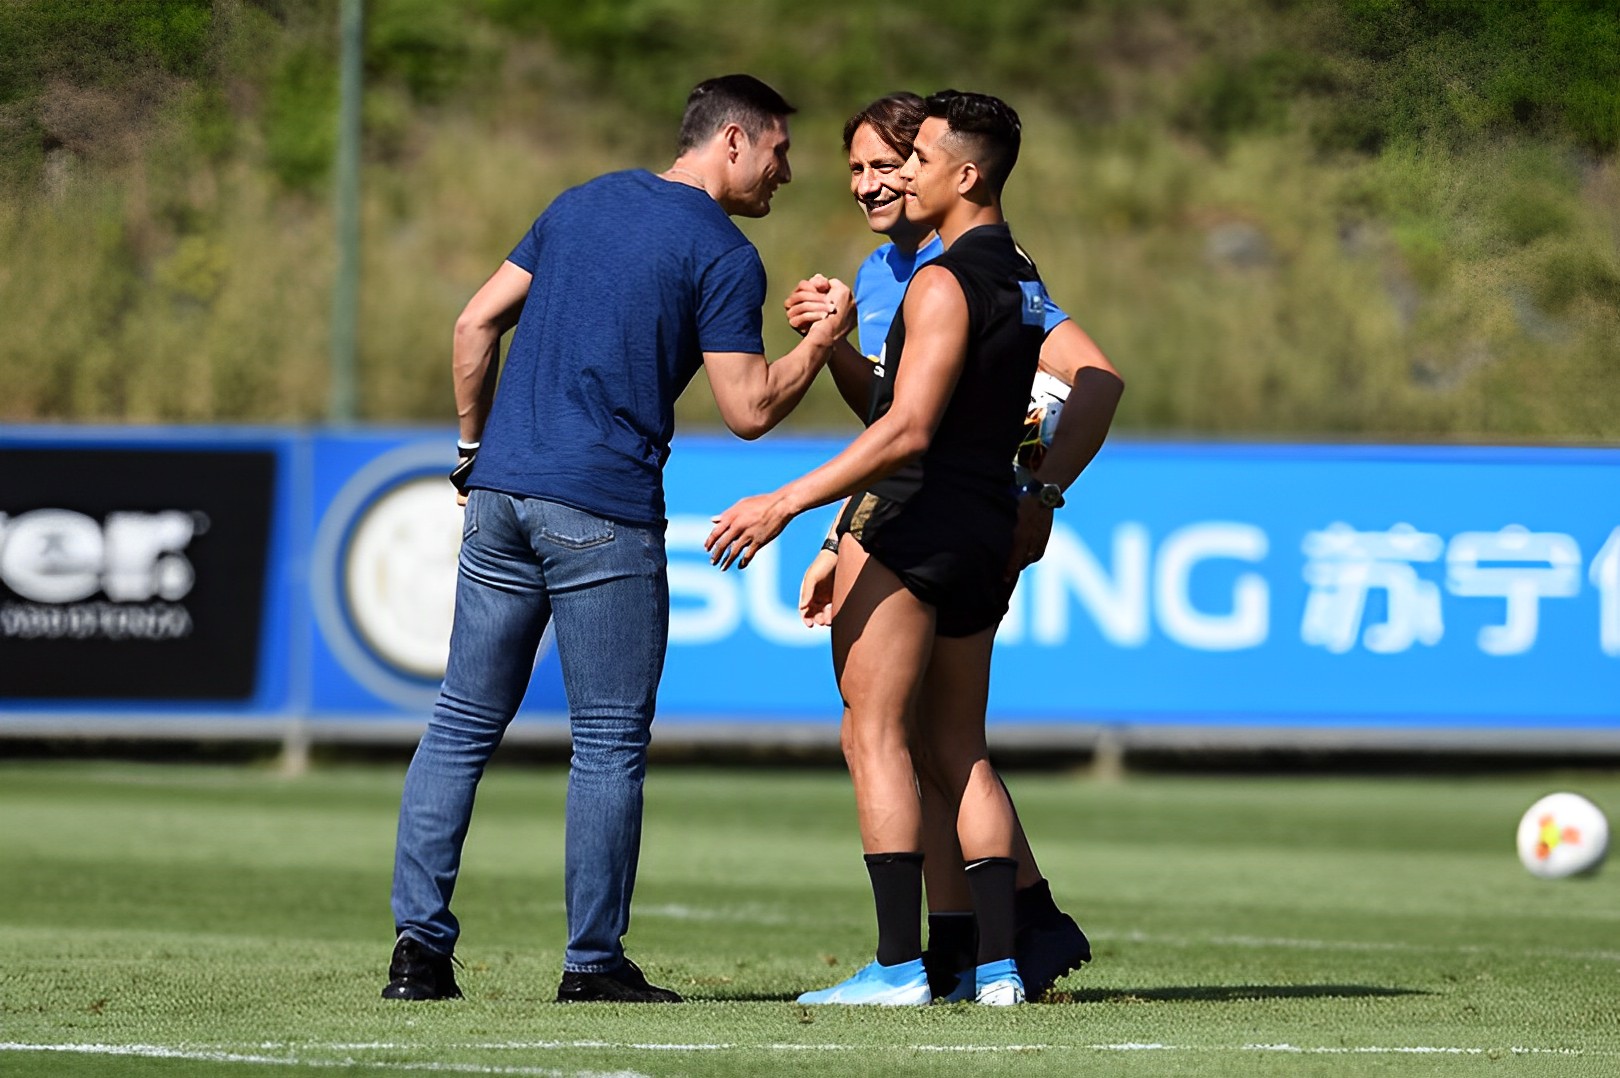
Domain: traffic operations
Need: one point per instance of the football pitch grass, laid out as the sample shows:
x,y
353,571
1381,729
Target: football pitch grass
x,y
227,921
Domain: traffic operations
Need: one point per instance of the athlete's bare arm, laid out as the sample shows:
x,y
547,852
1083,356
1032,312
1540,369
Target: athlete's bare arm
x,y
475,355
852,372
755,395
1071,355
927,374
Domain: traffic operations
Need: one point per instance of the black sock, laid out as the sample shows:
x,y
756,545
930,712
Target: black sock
x,y
897,889
953,938
1034,904
992,880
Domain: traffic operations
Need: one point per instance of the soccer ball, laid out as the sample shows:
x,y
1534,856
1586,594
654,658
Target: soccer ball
x,y
1046,399
1561,835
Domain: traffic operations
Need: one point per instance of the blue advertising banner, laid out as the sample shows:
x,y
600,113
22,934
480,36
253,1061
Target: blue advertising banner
x,y
1301,585
383,537
311,574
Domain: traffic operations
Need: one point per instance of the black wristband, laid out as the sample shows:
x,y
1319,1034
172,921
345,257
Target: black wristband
x,y
463,469
830,544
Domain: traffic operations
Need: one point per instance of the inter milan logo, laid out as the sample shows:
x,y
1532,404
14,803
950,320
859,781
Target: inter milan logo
x,y
1034,303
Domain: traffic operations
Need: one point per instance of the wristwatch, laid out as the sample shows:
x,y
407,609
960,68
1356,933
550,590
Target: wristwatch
x,y
1048,494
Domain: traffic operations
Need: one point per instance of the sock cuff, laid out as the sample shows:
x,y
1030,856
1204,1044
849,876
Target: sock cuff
x,y
901,858
987,862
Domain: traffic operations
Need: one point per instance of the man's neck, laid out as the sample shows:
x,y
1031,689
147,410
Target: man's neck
x,y
909,241
966,216
693,171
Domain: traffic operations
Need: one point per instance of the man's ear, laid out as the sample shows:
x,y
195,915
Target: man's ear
x,y
967,177
736,140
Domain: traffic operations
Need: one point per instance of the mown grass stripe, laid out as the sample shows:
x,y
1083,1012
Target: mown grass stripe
x,y
242,1056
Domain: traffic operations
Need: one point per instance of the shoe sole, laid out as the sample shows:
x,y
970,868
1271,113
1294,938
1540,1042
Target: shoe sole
x,y
1001,994
911,997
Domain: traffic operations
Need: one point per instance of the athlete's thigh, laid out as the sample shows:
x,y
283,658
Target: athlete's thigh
x,y
882,635
852,558
956,691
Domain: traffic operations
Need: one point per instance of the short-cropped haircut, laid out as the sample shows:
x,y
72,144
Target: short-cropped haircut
x,y
991,126
739,99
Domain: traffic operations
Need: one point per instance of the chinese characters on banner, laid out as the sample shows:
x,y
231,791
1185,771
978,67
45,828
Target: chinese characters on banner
x,y
1514,565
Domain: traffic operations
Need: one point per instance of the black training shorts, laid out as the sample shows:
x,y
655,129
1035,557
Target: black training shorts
x,y
949,548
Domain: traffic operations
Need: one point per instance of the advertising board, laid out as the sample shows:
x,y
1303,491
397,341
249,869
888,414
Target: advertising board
x,y
138,570
1284,588
1299,585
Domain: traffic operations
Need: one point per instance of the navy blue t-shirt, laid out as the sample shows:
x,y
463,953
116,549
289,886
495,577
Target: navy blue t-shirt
x,y
634,279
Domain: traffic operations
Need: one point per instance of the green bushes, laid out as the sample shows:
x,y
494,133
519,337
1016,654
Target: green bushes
x,y
1379,217
1458,69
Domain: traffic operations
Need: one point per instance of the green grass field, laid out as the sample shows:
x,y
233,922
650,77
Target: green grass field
x,y
192,921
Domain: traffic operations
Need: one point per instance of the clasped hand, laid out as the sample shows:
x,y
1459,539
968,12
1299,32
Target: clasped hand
x,y
820,298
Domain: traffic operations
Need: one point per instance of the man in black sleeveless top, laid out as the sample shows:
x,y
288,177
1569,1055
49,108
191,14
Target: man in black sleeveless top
x,y
928,542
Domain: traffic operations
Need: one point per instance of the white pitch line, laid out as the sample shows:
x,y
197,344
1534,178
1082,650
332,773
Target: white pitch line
x,y
227,1056
157,1051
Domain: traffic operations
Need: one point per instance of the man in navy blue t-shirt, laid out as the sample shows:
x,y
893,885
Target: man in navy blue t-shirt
x,y
622,289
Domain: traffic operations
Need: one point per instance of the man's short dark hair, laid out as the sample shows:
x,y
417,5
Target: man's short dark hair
x,y
739,99
989,126
894,117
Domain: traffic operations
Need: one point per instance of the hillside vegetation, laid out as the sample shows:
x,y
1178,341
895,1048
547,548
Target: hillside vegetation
x,y
1319,218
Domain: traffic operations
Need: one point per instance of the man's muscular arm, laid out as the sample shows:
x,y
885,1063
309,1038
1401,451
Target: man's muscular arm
x,y
851,371
1072,356
927,375
475,355
754,395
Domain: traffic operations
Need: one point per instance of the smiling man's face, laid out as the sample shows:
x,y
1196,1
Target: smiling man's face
x,y
874,168
761,167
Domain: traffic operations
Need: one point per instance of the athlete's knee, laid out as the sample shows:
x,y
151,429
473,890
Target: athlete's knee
x,y
947,765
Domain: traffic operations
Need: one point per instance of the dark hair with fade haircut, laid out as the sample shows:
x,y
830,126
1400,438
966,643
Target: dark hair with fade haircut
x,y
739,99
990,123
895,117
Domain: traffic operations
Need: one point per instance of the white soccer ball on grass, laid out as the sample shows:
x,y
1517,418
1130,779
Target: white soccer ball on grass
x,y
1561,835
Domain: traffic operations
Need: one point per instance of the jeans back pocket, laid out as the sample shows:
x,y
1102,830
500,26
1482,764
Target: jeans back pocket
x,y
574,528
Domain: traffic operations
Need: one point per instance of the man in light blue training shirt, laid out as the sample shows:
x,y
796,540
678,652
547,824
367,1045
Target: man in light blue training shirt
x,y
622,289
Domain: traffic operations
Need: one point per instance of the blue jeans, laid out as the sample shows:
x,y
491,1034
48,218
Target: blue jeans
x,y
525,561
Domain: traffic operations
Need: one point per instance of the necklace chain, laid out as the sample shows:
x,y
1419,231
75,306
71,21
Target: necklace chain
x,y
701,183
